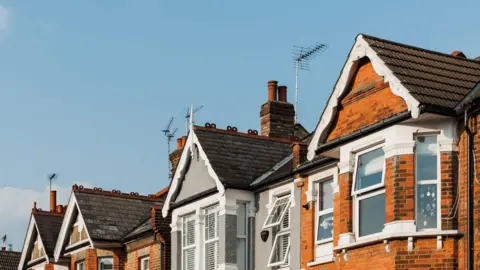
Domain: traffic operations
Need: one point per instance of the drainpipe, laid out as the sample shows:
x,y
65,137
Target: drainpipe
x,y
470,181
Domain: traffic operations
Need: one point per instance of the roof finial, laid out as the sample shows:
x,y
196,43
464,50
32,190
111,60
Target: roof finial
x,y
191,117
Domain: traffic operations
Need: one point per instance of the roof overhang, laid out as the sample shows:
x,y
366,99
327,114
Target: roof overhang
x,y
182,167
360,49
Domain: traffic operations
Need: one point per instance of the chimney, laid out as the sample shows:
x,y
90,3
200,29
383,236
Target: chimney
x,y
458,54
272,90
179,143
299,150
277,117
175,155
53,200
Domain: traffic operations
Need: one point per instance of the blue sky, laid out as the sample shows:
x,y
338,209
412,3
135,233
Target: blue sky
x,y
87,86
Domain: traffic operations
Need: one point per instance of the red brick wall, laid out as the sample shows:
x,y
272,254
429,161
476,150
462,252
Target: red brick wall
x,y
307,227
400,188
91,259
368,101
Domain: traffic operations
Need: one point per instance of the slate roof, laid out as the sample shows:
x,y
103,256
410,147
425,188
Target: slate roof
x,y
9,260
431,77
110,217
143,227
238,158
48,227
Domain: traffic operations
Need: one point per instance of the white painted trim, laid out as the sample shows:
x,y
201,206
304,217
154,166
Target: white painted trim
x,y
26,243
362,191
399,148
279,191
346,238
182,167
323,260
448,145
64,230
272,170
313,179
356,212
360,49
400,226
388,236
73,252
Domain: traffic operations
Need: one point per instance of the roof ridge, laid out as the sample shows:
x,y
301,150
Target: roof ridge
x,y
419,48
48,213
116,193
241,134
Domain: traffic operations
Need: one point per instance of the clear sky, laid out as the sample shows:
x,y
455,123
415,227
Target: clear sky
x,y
87,86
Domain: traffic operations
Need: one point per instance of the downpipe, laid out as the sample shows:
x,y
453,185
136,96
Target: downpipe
x,y
471,186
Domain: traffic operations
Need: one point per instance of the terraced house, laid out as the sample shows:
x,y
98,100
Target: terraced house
x,y
386,181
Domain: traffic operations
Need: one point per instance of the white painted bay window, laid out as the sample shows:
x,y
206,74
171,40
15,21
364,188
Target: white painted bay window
x,y
369,193
426,171
324,213
279,221
211,238
242,231
188,242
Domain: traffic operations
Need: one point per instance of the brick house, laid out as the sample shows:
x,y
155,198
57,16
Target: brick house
x,y
98,230
397,194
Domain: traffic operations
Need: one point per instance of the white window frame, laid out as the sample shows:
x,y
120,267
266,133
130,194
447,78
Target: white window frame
x,y
318,214
186,218
266,225
244,236
370,188
365,193
142,260
429,182
77,266
100,259
214,209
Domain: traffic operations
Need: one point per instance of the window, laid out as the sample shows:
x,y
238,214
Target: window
x,y
81,266
211,238
145,263
188,242
242,230
279,220
368,192
426,170
105,263
324,212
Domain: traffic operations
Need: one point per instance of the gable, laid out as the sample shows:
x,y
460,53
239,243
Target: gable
x,y
196,179
78,232
368,99
37,248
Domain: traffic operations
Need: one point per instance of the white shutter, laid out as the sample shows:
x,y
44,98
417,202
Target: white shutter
x,y
188,242
281,250
211,238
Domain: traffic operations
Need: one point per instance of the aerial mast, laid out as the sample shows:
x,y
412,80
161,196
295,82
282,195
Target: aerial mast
x,y
302,57
169,135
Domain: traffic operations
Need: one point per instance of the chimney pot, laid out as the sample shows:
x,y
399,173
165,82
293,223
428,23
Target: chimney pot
x,y
282,93
272,90
179,143
458,54
59,209
53,200
184,140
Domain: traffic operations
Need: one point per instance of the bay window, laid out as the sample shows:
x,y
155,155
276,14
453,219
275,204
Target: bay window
x,y
188,242
426,171
369,193
279,221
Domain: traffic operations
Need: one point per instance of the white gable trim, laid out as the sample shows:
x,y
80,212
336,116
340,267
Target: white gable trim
x,y
187,153
64,230
360,49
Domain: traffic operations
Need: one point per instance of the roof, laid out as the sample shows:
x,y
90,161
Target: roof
x,y
142,228
48,227
237,158
432,78
9,260
111,216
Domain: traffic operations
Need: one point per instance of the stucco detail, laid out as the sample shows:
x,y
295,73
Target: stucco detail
x,y
196,179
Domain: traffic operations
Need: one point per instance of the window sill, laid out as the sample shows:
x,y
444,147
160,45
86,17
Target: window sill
x,y
391,236
321,261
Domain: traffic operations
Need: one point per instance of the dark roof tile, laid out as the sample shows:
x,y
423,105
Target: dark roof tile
x,y
49,226
9,260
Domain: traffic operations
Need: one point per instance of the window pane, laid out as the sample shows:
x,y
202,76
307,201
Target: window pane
x,y
326,195
145,264
106,263
371,214
427,206
211,255
426,159
241,253
241,219
189,259
274,218
188,231
280,249
325,227
369,169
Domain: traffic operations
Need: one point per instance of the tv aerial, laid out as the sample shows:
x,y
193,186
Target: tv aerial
x,y
302,57
51,177
189,114
169,134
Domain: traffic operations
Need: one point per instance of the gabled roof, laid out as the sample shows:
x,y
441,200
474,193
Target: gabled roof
x,y
9,260
431,77
48,227
420,77
111,216
238,158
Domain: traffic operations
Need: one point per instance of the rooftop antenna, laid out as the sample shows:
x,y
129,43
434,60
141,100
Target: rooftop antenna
x,y
4,240
51,177
189,114
169,135
302,57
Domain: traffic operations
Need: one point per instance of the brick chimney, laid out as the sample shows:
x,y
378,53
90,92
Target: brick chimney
x,y
53,201
299,150
177,153
277,116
